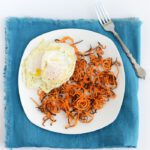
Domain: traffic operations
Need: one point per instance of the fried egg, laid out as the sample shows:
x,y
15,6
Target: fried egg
x,y
49,65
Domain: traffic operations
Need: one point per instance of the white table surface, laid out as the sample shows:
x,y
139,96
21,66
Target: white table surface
x,y
73,9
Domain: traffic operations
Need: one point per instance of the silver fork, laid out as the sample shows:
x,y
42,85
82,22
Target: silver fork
x,y
108,25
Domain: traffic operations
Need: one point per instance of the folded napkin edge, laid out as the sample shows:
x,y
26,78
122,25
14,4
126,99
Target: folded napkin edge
x,y
6,87
8,19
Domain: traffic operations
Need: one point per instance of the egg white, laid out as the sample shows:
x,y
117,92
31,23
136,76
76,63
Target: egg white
x,y
49,65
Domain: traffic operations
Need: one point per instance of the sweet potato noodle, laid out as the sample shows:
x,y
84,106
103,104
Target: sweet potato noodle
x,y
88,90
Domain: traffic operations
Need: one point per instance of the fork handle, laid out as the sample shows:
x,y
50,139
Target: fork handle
x,y
136,66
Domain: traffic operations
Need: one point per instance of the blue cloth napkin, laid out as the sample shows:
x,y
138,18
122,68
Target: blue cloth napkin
x,y
20,132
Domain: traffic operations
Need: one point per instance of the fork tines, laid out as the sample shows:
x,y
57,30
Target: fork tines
x,y
102,13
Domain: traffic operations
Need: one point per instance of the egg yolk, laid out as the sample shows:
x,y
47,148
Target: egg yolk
x,y
37,72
